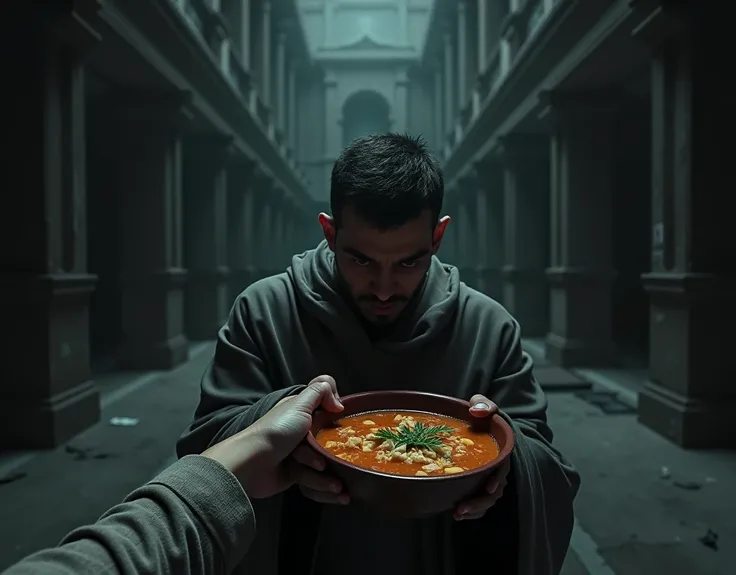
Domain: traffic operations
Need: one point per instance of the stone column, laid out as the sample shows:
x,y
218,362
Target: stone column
x,y
482,35
449,91
245,56
280,95
462,56
293,110
467,248
147,179
266,52
490,227
526,221
240,224
401,102
46,392
403,10
205,236
448,248
277,238
580,273
438,103
691,397
333,133
264,248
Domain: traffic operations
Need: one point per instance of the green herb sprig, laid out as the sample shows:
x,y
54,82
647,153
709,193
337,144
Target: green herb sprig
x,y
420,436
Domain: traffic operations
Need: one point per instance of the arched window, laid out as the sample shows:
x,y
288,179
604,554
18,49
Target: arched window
x,y
364,113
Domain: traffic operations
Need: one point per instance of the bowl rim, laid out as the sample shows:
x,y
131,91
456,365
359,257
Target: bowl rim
x,y
503,453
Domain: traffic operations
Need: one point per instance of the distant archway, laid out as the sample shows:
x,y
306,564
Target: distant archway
x,y
365,112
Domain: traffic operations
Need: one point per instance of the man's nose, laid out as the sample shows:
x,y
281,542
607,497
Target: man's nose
x,y
383,287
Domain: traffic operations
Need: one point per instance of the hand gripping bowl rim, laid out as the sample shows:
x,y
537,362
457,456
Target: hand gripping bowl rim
x,y
503,453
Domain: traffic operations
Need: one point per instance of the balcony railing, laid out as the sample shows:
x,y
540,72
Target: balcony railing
x,y
206,21
518,31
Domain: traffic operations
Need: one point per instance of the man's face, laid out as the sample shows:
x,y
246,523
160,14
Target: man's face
x,y
382,268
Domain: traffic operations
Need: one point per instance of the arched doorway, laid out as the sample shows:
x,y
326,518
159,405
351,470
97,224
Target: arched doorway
x,y
365,112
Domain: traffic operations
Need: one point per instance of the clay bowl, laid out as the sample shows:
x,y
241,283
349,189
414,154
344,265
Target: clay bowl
x,y
411,496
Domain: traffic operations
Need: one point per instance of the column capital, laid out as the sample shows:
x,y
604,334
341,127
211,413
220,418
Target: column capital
x,y
660,20
557,107
512,149
75,24
175,107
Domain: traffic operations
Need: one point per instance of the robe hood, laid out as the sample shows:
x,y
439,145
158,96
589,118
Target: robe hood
x,y
432,309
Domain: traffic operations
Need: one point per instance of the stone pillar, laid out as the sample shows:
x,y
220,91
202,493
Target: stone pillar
x,y
277,237
293,110
482,35
264,248
403,10
329,22
240,225
46,392
205,236
280,94
580,273
401,102
467,247
446,252
449,91
462,56
438,117
148,183
691,397
245,56
333,133
266,52
490,227
526,240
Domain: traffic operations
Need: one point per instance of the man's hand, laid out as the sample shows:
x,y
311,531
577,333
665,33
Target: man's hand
x,y
476,507
257,455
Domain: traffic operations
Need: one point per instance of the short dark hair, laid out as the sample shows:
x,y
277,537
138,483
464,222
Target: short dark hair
x,y
389,179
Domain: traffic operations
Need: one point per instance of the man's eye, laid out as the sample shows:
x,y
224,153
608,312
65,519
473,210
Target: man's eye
x,y
410,264
361,263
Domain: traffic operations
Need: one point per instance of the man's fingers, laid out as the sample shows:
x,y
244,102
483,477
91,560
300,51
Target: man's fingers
x,y
329,398
328,498
477,507
307,456
481,406
313,480
318,393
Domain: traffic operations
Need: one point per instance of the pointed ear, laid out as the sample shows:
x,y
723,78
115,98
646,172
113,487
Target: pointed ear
x,y
439,232
328,229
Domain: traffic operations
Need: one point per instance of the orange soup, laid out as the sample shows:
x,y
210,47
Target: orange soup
x,y
408,443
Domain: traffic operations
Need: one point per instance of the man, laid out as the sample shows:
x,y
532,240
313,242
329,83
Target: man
x,y
373,307
195,516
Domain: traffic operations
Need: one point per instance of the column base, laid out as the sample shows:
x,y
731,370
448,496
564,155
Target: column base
x,y
47,394
158,355
153,321
580,317
568,352
691,398
526,296
688,422
490,282
207,303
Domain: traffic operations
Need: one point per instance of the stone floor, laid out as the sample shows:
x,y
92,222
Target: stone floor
x,y
645,506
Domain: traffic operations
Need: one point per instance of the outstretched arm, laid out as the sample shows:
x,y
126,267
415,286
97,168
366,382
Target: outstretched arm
x,y
193,518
